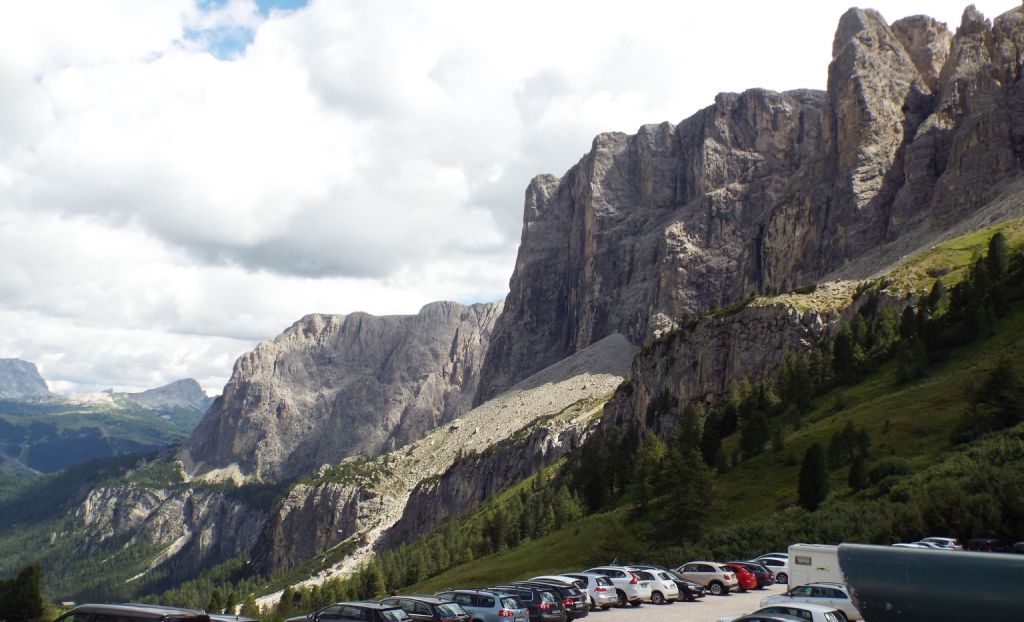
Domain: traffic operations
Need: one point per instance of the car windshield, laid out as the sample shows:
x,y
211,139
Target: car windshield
x,y
395,615
451,609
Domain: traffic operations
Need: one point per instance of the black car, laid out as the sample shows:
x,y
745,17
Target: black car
x,y
363,611
429,608
136,613
688,590
576,603
764,576
987,545
544,603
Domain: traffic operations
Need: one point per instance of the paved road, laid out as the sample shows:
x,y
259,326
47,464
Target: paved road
x,y
707,609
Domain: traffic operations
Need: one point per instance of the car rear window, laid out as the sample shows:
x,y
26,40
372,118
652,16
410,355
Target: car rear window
x,y
547,597
604,581
511,603
451,609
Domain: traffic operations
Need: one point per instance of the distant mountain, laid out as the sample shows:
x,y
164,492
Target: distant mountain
x,y
179,394
43,432
20,380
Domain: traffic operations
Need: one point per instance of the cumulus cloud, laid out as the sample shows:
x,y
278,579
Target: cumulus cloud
x,y
178,180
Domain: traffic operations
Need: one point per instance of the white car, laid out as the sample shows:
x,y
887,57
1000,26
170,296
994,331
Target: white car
x,y
833,595
778,565
598,588
804,611
628,588
951,544
663,588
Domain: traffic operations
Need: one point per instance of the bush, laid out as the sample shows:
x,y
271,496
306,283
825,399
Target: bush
x,y
886,467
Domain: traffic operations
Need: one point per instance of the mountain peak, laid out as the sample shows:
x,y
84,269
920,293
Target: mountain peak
x,y
21,380
185,393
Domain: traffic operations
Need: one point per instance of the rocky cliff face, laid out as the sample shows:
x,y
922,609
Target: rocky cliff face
x,y
337,386
180,394
762,191
20,380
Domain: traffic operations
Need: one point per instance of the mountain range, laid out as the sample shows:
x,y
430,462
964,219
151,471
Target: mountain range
x,y
662,268
44,432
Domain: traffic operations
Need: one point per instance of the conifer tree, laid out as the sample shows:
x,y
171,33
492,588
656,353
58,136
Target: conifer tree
x,y
858,477
812,487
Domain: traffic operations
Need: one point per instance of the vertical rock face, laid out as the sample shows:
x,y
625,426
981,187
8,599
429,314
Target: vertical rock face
x,y
179,394
337,386
20,380
765,191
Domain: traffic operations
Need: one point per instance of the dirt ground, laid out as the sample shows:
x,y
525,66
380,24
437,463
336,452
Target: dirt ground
x,y
707,609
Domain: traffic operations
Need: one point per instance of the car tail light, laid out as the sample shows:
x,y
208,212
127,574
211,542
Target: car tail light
x,y
727,576
600,589
544,606
567,602
632,580
505,613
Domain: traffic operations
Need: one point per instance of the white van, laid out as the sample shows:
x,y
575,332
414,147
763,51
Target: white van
x,y
814,563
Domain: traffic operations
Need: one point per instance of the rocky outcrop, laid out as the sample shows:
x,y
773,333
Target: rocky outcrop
x,y
761,192
196,528
179,394
20,380
334,386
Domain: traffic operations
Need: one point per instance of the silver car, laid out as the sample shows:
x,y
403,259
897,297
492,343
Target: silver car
x,y
599,588
489,606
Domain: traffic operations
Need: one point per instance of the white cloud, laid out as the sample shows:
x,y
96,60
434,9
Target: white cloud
x,y
176,183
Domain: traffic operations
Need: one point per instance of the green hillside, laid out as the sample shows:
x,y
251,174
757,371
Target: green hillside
x,y
49,436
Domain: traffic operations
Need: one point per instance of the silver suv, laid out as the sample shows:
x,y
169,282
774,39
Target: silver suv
x,y
489,606
628,588
712,575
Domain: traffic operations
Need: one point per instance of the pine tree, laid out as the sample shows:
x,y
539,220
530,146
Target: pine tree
x,y
21,598
754,433
647,471
216,602
998,258
812,487
250,608
691,428
858,477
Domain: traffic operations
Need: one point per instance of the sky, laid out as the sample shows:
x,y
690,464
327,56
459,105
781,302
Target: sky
x,y
181,179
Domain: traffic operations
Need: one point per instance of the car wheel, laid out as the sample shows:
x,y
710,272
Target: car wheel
x,y
593,605
716,588
657,598
621,596
636,603
605,607
782,578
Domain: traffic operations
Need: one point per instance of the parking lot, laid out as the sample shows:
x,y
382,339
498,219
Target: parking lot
x,y
707,609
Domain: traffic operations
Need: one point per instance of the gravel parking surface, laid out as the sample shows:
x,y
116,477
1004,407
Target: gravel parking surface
x,y
707,609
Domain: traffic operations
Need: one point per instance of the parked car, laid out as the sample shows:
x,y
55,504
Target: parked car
x,y
599,589
910,545
136,613
718,579
801,611
778,565
745,578
768,617
364,611
987,545
628,588
833,595
688,589
1018,547
764,576
488,606
576,603
946,543
428,608
663,588
544,604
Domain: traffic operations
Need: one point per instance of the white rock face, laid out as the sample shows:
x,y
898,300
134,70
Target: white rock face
x,y
334,386
20,380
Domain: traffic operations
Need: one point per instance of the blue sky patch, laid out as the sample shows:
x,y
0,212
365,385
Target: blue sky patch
x,y
229,43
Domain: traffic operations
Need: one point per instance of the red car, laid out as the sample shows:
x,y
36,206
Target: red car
x,y
746,578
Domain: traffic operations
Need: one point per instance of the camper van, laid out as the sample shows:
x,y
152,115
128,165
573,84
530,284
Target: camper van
x,y
814,563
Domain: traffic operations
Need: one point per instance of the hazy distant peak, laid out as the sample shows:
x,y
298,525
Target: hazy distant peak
x,y
20,380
